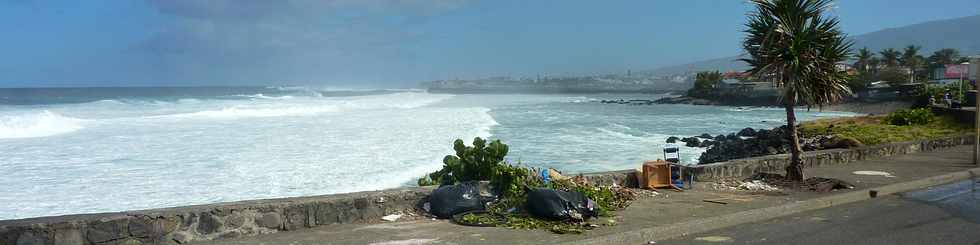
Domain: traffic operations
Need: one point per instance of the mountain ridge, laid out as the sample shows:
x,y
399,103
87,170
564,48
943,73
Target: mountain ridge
x,y
932,35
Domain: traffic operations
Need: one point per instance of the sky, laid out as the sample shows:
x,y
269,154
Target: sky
x,y
381,43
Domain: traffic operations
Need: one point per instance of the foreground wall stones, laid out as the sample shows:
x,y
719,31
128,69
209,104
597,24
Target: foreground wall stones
x,y
227,220
213,221
745,167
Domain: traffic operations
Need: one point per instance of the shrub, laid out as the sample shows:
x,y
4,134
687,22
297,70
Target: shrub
x,y
478,163
905,117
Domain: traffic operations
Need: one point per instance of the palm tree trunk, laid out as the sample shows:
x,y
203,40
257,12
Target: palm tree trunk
x,y
794,171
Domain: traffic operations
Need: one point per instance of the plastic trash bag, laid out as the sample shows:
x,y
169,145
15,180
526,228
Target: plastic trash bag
x,y
560,205
449,200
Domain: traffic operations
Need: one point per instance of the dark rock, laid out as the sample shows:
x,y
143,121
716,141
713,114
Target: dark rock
x,y
327,214
235,220
705,136
732,137
672,139
299,217
32,238
208,224
707,143
747,132
720,137
154,228
269,220
141,227
691,141
68,237
99,232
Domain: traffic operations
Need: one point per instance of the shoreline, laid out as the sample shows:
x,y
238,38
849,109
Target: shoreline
x,y
871,108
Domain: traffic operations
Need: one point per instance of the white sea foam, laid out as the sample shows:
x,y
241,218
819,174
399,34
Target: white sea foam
x,y
311,107
236,112
313,146
37,124
266,97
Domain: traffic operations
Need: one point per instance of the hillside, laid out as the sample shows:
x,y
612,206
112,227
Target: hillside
x,y
958,33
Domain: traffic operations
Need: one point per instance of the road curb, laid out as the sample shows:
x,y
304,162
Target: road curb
x,y
668,231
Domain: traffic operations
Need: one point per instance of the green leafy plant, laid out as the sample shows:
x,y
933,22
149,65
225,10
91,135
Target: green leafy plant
x,y
906,117
481,162
872,130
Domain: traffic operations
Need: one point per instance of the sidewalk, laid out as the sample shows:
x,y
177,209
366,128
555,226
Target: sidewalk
x,y
663,210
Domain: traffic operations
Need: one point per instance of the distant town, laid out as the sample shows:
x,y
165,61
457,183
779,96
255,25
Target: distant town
x,y
627,82
886,74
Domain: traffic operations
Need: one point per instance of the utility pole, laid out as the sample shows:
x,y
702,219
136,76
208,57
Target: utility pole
x,y
974,70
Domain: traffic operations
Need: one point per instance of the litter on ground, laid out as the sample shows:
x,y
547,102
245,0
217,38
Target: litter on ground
x,y
737,185
391,217
874,173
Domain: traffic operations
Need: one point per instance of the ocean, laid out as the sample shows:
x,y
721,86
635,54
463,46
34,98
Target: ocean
x,y
85,150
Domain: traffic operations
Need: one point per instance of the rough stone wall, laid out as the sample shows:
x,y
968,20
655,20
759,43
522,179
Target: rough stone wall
x,y
213,221
777,163
624,178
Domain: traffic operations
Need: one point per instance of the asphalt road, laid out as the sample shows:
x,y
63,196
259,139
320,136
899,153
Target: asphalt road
x,y
947,214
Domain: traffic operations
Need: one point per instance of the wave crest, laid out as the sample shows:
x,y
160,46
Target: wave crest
x,y
33,125
241,112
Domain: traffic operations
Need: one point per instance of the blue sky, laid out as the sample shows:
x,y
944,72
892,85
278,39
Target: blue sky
x,y
381,43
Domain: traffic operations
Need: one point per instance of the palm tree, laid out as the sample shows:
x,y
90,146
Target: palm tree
x,y
912,60
944,56
889,57
793,43
864,57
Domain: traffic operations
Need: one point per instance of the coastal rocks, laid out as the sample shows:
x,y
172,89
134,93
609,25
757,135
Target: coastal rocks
x,y
685,100
750,142
747,132
672,139
628,102
691,141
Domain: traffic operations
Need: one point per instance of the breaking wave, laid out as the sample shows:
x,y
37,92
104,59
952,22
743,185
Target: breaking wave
x,y
38,124
312,106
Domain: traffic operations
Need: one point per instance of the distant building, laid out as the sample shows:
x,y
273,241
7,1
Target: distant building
x,y
747,88
736,75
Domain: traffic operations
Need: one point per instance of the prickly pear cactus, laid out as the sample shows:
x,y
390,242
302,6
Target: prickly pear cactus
x,y
477,162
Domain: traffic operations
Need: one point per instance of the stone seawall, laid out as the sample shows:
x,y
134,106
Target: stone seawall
x,y
745,167
245,218
212,221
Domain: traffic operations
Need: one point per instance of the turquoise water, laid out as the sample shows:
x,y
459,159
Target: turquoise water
x,y
100,150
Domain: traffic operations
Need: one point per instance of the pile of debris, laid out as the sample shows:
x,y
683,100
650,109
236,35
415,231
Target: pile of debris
x,y
749,185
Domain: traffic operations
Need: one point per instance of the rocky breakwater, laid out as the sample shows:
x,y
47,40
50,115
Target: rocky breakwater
x,y
685,100
750,142
628,102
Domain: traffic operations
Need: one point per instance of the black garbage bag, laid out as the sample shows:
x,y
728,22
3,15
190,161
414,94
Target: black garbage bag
x,y
449,200
560,205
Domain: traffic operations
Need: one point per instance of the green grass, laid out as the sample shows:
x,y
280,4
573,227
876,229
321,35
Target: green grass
x,y
870,130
